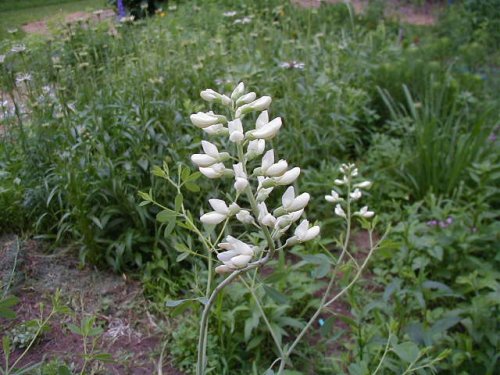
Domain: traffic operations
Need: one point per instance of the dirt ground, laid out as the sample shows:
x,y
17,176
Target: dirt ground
x,y
41,26
130,333
407,13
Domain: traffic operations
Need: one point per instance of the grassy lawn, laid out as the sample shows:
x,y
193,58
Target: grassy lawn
x,y
15,13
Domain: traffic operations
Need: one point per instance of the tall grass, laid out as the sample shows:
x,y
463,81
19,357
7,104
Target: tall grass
x,y
444,136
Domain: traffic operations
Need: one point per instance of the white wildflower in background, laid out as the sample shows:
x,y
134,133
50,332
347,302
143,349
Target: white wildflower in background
x,y
354,192
292,65
243,21
230,13
22,78
18,48
334,197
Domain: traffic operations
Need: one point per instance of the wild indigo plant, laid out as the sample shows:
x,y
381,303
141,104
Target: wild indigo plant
x,y
257,174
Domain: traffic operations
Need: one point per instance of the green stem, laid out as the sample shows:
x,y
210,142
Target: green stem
x,y
262,312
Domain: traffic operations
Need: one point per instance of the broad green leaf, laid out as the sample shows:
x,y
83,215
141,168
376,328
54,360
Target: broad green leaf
x,y
407,351
276,296
178,202
166,216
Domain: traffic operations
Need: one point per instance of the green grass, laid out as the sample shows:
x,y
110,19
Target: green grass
x,y
15,13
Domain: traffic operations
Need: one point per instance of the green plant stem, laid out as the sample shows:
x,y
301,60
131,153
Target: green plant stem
x,y
386,350
202,341
327,291
37,333
264,316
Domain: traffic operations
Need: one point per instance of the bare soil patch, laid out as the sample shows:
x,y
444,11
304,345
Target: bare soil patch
x,y
131,334
424,15
41,27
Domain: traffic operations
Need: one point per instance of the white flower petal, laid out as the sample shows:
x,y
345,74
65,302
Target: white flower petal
x,y
219,206
213,218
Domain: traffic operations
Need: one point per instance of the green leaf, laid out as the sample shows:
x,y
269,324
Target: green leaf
x,y
407,351
192,187
166,216
181,257
157,171
63,370
178,202
169,229
5,307
6,346
276,296
175,303
103,357
75,329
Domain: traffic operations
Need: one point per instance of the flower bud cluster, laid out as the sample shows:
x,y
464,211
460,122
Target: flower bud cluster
x,y
257,181
354,191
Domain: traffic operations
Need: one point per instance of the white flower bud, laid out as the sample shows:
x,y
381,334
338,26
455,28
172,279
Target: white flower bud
x,y
245,217
304,233
238,91
209,95
261,104
238,254
255,148
284,222
277,169
203,120
212,96
339,211
265,218
203,160
217,129
288,177
223,269
236,131
241,261
341,182
267,131
216,171
292,203
213,218
241,178
356,194
363,212
257,105
334,197
245,99
233,209
262,120
219,206
363,185
262,192
240,184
